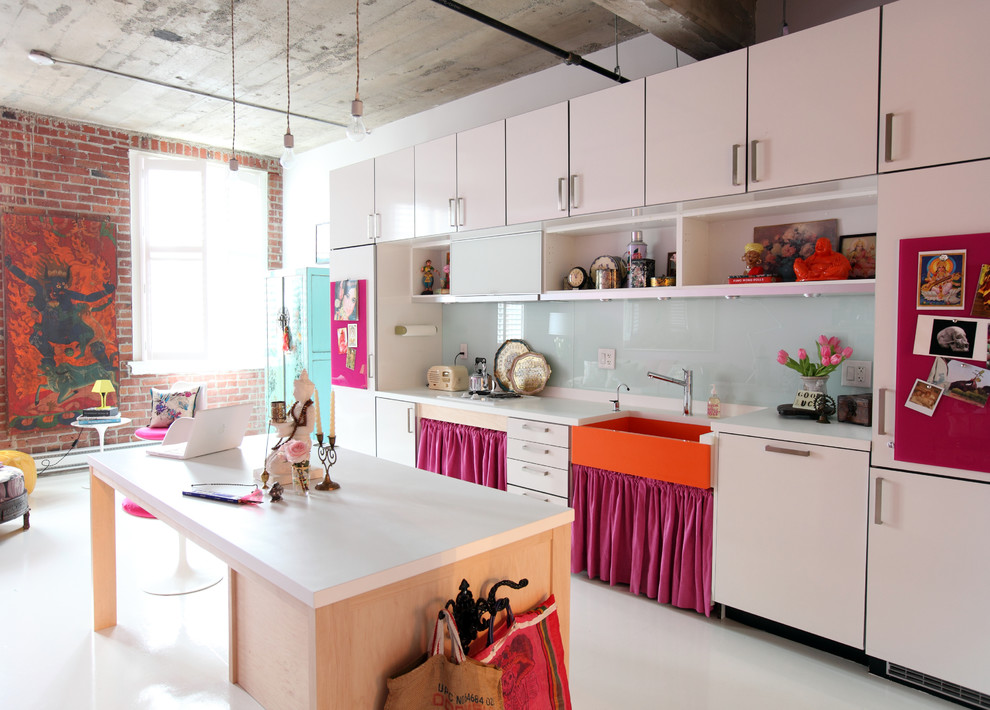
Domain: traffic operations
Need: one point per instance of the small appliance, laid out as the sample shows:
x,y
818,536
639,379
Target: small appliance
x,y
447,378
481,382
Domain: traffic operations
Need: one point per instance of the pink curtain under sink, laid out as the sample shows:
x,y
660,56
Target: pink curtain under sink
x,y
654,536
465,452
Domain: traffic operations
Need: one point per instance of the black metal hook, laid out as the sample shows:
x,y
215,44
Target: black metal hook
x,y
469,615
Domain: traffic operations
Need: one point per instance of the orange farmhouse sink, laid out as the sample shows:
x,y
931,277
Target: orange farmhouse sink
x,y
651,448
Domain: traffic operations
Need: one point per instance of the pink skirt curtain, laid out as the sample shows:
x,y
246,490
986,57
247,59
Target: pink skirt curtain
x,y
654,536
465,452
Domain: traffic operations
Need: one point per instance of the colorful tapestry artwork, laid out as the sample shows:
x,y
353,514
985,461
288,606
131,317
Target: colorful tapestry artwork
x,y
60,277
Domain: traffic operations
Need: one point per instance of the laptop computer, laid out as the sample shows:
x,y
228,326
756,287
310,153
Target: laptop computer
x,y
213,430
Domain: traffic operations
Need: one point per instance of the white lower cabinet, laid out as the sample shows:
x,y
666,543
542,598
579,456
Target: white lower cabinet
x,y
790,534
929,573
539,456
395,429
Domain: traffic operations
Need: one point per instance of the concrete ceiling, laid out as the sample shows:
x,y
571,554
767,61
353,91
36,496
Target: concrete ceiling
x,y
415,54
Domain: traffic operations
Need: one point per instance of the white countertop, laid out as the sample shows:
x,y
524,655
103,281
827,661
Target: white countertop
x,y
387,522
803,430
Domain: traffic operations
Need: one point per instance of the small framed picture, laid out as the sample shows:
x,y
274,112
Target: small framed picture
x,y
323,243
352,335
981,299
672,264
783,243
941,279
861,250
924,397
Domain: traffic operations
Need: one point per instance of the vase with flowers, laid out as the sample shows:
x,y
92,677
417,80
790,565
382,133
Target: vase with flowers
x,y
814,375
296,452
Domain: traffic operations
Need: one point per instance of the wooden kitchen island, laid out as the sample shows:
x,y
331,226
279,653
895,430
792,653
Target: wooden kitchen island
x,y
332,593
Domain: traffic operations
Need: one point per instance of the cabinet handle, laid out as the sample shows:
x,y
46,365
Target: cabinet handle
x,y
371,366
378,225
460,211
573,191
561,206
534,495
735,164
536,470
450,212
752,159
371,226
882,412
782,450
527,447
409,421
544,429
888,138
878,502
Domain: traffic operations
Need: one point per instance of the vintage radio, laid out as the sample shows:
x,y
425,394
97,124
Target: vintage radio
x,y
449,378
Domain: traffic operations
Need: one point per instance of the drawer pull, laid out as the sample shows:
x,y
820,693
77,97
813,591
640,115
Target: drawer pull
x,y
544,429
878,502
536,470
537,496
527,447
782,450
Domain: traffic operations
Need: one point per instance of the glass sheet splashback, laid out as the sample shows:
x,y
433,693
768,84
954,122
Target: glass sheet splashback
x,y
731,343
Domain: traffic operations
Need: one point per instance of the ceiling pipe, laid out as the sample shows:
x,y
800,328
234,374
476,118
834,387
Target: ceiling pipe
x,y
568,57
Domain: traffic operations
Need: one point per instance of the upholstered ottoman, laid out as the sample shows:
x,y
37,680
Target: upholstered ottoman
x,y
13,496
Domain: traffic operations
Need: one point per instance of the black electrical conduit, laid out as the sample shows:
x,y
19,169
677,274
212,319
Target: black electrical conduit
x,y
568,57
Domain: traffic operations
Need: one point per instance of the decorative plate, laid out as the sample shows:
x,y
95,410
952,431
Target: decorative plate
x,y
507,352
609,262
529,373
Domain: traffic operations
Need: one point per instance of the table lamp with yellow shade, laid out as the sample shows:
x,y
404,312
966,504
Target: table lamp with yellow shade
x,y
103,387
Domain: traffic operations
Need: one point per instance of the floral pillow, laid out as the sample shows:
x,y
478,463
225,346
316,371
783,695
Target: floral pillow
x,y
169,405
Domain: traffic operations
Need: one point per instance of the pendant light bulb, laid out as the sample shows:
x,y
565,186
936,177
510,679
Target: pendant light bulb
x,y
356,129
288,155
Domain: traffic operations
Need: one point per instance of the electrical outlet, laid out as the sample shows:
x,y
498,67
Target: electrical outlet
x,y
606,358
857,373
462,353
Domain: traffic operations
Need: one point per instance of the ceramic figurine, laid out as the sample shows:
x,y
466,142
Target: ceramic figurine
x,y
823,265
428,272
753,256
297,426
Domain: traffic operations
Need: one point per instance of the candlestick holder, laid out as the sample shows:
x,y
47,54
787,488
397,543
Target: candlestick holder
x,y
328,457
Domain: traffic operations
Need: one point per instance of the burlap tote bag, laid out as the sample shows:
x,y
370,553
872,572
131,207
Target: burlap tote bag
x,y
439,682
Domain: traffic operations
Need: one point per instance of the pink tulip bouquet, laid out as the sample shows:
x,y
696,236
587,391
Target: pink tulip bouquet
x,y
830,353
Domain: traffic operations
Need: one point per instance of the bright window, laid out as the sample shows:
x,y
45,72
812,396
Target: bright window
x,y
199,242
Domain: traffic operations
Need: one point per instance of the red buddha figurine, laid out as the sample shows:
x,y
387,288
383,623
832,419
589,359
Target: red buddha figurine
x,y
823,265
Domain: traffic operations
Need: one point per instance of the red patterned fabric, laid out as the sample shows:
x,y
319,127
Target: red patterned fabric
x,y
465,452
653,535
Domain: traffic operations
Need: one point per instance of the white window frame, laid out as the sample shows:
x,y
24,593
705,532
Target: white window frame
x,y
220,352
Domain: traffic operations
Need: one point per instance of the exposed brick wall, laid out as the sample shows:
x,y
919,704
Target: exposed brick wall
x,y
57,167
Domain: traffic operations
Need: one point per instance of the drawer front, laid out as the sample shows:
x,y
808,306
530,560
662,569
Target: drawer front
x,y
540,432
536,477
541,454
555,500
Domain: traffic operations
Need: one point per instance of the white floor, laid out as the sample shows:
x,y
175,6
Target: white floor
x,y
171,652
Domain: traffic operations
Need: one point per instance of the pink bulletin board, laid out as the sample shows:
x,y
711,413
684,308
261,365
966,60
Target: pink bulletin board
x,y
348,328
957,432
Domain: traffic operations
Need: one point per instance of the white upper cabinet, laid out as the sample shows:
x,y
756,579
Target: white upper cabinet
x,y
607,148
934,83
352,204
394,196
536,165
813,103
481,177
436,186
696,130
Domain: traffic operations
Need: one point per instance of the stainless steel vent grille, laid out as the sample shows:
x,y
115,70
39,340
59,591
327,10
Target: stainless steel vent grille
x,y
52,461
937,685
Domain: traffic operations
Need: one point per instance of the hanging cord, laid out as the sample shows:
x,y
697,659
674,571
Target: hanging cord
x,y
233,86
288,88
47,464
617,70
357,49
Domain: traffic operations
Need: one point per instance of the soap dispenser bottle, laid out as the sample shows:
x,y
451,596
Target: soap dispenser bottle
x,y
714,405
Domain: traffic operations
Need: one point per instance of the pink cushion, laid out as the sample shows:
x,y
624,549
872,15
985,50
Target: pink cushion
x,y
133,508
151,433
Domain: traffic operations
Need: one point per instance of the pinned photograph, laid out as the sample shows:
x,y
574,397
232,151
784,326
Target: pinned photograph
x,y
352,336
345,300
342,340
968,383
981,299
939,374
941,279
960,338
351,357
924,397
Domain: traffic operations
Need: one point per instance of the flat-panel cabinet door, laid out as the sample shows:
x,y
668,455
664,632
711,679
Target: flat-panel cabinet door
x,y
934,83
395,205
536,165
478,264
352,204
395,422
607,148
436,186
813,103
790,533
696,130
481,177
928,566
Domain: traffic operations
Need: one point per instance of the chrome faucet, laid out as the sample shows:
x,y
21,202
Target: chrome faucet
x,y
615,402
686,383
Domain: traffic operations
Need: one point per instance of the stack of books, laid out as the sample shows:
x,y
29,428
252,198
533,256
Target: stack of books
x,y
96,415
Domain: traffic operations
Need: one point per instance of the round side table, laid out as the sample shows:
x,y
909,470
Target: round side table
x,y
100,427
